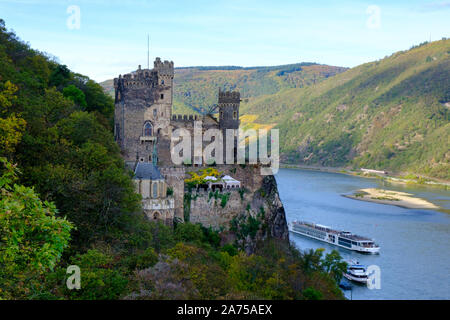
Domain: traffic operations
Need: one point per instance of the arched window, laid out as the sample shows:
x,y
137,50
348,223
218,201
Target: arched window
x,y
155,190
147,129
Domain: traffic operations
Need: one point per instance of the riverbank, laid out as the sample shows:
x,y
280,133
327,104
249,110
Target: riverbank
x,y
396,179
395,198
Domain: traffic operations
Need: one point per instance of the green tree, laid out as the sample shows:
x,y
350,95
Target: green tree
x,y
333,264
11,131
189,232
32,237
76,95
312,294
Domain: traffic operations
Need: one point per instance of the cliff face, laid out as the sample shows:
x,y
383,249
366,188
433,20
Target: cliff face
x,y
277,218
251,214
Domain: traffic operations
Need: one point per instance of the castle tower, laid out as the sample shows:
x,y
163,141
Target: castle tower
x,y
143,109
229,102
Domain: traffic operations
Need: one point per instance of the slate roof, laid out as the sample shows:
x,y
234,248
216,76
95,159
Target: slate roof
x,y
147,171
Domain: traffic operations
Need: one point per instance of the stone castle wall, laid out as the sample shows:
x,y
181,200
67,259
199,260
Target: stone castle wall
x,y
260,200
174,177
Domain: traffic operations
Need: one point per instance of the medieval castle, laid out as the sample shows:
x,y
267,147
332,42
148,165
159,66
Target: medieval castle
x,y
143,125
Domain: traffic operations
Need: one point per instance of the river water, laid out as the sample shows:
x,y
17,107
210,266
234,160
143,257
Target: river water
x,y
415,256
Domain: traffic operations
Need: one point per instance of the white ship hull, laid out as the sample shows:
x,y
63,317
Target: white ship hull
x,y
355,279
329,236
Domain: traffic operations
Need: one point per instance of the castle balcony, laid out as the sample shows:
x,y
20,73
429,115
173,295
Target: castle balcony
x,y
147,138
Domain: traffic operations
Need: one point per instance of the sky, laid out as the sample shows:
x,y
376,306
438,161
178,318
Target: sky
x,y
105,38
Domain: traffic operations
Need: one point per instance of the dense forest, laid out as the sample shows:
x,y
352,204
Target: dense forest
x,y
67,199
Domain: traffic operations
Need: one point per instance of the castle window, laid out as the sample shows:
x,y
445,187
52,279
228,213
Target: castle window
x,y
147,129
155,190
162,96
162,81
234,115
117,132
155,112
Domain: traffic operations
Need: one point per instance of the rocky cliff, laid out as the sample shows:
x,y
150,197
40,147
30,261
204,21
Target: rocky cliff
x,y
247,215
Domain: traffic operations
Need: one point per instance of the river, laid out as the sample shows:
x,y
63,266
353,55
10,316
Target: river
x,y
414,258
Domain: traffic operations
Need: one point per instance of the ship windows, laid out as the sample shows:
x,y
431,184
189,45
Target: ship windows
x,y
345,242
148,129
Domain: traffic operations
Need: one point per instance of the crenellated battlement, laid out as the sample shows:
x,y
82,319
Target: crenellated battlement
x,y
126,83
229,97
164,68
185,117
147,77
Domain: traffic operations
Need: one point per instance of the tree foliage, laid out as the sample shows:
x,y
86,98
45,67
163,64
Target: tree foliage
x,y
32,237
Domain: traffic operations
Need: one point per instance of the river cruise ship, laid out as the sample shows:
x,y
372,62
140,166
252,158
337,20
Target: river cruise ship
x,y
338,238
356,272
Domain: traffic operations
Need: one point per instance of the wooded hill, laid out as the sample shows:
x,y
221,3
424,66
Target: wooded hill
x,y
390,114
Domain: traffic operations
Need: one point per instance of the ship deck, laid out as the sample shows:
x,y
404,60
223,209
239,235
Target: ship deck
x,y
350,236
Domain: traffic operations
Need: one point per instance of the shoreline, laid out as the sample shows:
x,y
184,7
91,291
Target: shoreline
x,y
394,198
392,179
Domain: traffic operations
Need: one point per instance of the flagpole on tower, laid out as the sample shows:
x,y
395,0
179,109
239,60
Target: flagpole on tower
x,y
148,51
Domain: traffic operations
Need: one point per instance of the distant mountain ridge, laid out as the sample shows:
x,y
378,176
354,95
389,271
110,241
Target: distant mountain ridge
x,y
196,88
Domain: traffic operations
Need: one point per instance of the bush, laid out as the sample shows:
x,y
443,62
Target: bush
x,y
144,260
189,232
312,294
230,249
100,279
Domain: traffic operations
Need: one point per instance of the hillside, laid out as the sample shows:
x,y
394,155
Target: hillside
x,y
196,87
390,114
